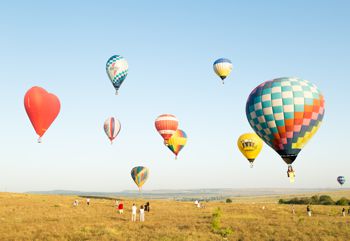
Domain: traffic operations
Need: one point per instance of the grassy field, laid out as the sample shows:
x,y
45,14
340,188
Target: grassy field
x,y
51,217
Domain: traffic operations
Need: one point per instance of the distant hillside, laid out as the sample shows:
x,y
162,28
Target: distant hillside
x,y
189,194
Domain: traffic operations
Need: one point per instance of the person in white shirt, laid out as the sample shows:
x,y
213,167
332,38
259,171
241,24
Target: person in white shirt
x,y
142,214
196,203
88,201
133,213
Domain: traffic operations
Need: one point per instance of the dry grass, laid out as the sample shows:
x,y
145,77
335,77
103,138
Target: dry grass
x,y
49,217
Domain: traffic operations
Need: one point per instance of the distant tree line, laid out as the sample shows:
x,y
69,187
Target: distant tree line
x,y
316,200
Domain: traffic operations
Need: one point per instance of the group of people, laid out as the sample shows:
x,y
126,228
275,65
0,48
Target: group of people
x,y
343,211
143,208
197,204
76,202
309,211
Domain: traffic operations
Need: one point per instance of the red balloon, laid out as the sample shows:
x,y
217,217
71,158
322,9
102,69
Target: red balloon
x,y
42,108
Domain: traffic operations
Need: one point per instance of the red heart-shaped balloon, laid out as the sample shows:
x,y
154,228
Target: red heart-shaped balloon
x,y
42,108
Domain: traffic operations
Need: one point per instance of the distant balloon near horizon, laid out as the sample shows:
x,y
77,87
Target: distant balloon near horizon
x,y
112,128
250,146
166,125
117,69
177,141
42,109
285,113
341,180
139,174
222,68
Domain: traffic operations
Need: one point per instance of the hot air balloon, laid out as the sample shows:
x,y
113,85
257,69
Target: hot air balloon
x,y
250,145
139,174
285,113
112,128
222,68
117,70
42,109
177,141
341,180
166,126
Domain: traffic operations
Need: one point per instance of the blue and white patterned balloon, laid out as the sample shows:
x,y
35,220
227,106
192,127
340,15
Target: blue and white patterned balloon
x,y
117,70
341,180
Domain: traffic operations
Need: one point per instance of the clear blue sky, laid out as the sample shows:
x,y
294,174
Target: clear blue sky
x,y
170,46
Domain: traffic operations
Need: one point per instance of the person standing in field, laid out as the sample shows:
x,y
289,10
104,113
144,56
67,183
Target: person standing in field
x,y
196,203
343,212
117,203
293,210
88,201
308,209
133,213
142,214
147,207
121,207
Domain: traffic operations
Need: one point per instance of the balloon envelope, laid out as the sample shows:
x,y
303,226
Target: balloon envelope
x,y
341,180
42,108
112,128
166,125
222,67
117,69
139,174
285,113
250,145
177,141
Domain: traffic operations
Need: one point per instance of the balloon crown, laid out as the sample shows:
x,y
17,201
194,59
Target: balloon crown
x,y
248,144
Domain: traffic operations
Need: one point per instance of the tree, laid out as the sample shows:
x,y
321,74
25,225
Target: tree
x,y
343,202
326,200
315,199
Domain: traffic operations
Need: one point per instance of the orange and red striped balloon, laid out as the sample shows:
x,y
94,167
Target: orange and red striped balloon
x,y
166,125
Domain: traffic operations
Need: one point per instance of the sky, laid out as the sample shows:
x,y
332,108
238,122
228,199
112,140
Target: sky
x,y
170,46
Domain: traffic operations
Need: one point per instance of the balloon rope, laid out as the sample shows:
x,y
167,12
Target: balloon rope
x,y
39,139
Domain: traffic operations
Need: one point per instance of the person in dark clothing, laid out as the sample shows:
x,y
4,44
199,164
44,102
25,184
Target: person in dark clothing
x,y
147,207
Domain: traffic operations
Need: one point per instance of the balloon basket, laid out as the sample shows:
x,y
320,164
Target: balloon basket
x,y
39,140
291,179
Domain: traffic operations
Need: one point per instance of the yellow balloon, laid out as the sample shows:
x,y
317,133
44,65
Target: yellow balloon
x,y
250,145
